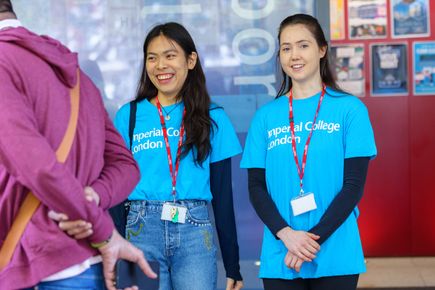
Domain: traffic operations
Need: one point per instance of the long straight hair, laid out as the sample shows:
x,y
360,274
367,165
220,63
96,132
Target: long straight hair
x,y
6,6
314,27
193,93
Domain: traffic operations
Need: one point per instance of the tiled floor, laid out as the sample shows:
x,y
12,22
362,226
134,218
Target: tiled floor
x,y
406,273
399,272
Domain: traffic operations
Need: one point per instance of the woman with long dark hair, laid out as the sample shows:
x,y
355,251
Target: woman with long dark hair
x,y
183,144
307,154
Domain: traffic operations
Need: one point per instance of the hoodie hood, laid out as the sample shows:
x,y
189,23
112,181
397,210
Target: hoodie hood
x,y
59,57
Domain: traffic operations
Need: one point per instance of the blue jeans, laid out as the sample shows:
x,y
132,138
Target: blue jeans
x,y
91,279
186,252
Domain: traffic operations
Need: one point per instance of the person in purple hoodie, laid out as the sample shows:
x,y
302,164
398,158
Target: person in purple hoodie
x,y
36,75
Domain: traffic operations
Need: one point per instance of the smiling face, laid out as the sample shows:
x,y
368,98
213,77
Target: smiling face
x,y
300,54
167,67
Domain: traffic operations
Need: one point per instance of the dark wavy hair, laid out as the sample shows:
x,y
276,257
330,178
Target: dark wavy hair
x,y
314,27
6,6
194,94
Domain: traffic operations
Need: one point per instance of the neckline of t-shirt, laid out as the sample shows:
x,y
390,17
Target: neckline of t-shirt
x,y
310,99
180,104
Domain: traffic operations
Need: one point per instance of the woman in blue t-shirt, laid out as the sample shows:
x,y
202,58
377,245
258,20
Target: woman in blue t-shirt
x,y
307,154
183,145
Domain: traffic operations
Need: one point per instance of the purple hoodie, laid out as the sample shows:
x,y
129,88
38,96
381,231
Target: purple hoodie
x,y
36,74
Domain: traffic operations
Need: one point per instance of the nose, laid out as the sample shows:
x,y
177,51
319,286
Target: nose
x,y
295,54
161,63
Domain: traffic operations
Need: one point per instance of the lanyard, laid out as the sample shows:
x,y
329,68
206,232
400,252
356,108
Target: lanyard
x,y
301,170
173,172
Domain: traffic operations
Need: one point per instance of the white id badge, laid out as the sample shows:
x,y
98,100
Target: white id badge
x,y
174,213
303,204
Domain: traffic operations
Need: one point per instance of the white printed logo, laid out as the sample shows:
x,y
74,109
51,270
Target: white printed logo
x,y
282,135
143,141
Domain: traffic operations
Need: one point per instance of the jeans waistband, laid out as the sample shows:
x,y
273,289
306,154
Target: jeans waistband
x,y
189,203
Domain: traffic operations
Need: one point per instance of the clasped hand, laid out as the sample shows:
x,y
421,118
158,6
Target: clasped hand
x,y
302,247
78,229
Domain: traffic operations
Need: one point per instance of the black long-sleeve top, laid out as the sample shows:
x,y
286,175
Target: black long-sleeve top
x,y
222,191
355,172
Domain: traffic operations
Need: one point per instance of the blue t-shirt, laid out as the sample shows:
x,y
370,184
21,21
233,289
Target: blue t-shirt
x,y
149,150
342,130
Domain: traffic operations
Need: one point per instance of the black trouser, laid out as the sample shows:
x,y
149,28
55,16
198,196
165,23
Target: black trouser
x,y
346,282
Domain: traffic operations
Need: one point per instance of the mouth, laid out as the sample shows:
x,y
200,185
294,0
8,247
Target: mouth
x,y
164,78
297,67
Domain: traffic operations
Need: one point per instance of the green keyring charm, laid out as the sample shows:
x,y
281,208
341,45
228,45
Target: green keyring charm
x,y
174,214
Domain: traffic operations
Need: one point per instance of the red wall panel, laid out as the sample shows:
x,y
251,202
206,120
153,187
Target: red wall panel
x,y
422,164
385,220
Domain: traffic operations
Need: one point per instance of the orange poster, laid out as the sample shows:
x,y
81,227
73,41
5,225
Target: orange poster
x,y
336,14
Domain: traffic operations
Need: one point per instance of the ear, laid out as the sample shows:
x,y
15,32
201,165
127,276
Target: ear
x,y
191,60
323,50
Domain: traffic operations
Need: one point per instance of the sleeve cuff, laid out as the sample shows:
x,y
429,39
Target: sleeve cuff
x,y
277,226
103,229
234,273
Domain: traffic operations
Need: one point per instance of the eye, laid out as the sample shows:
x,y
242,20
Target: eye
x,y
285,49
171,56
151,58
303,45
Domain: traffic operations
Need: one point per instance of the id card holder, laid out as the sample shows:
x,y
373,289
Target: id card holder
x,y
303,203
174,213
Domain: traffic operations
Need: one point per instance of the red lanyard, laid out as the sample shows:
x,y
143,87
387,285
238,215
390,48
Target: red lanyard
x,y
301,170
173,172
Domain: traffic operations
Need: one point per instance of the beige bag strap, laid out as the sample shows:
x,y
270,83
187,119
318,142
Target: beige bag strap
x,y
31,203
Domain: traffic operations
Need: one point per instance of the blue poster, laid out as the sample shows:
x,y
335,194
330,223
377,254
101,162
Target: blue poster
x,y
410,18
389,69
424,68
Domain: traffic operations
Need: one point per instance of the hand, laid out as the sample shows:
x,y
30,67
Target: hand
x,y
91,195
293,262
299,243
234,285
78,229
119,248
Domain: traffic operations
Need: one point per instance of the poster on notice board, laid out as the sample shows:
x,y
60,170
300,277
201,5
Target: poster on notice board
x,y
424,68
367,19
389,69
410,18
348,63
336,16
